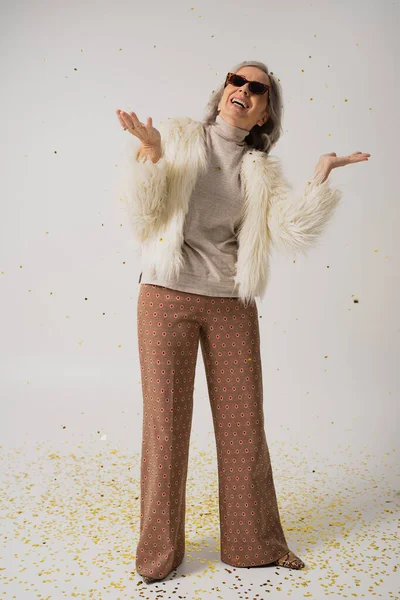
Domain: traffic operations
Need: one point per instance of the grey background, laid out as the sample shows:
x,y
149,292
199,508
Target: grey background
x,y
69,369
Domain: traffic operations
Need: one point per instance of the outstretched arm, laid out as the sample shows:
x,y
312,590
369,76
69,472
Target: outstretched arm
x,y
142,189
296,221
143,175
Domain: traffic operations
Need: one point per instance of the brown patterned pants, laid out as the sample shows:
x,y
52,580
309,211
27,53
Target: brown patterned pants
x,y
170,325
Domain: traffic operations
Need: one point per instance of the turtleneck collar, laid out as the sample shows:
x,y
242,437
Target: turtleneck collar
x,y
229,132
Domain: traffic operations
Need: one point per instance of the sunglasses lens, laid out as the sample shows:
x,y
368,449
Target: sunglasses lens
x,y
255,86
237,80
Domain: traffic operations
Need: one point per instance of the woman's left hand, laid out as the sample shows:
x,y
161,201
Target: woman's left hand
x,y
329,161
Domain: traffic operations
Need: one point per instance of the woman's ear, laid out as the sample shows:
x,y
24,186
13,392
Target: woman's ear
x,y
263,120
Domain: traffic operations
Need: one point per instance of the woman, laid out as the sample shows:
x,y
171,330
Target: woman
x,y
206,202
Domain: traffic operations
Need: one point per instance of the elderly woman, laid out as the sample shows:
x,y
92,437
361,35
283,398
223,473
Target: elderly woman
x,y
206,203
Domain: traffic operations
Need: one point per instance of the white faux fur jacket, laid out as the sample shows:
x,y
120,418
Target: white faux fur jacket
x,y
156,198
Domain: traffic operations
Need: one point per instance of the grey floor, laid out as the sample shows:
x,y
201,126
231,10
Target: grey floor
x,y
69,502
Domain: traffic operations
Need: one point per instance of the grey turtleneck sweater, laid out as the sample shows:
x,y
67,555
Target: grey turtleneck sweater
x,y
210,242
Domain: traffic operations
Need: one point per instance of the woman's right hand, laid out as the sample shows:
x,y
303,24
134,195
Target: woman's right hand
x,y
149,136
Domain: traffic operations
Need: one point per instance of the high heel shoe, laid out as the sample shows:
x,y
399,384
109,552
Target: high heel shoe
x,y
289,560
148,579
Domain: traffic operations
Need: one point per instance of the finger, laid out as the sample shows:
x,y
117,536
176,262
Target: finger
x,y
123,124
121,120
126,120
135,121
130,119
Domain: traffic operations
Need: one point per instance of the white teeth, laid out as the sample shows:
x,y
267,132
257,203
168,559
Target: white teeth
x,y
236,101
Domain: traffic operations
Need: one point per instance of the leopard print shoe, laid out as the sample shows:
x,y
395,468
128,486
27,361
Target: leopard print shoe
x,y
148,579
290,560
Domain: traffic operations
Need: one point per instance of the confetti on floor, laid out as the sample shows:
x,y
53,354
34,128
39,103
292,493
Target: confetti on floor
x,y
70,518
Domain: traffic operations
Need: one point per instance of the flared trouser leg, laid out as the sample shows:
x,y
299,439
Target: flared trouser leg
x,y
168,339
250,526
170,326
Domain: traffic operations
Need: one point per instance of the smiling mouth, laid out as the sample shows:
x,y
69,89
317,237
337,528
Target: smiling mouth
x,y
239,106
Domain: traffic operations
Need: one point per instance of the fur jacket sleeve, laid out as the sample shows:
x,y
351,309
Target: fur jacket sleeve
x,y
296,219
142,187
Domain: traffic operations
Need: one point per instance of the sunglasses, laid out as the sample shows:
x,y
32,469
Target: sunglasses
x,y
256,87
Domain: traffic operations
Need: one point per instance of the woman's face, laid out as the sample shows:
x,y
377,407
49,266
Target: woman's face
x,y
256,113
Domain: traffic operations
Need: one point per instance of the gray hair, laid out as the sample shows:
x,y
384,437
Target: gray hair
x,y
260,138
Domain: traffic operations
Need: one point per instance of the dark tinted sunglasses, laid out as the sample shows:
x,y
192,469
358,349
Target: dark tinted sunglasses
x,y
256,87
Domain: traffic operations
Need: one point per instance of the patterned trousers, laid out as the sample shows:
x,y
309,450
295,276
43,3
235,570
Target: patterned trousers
x,y
170,325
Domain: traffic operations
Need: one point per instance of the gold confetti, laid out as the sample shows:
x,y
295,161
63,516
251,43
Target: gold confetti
x,y
82,506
